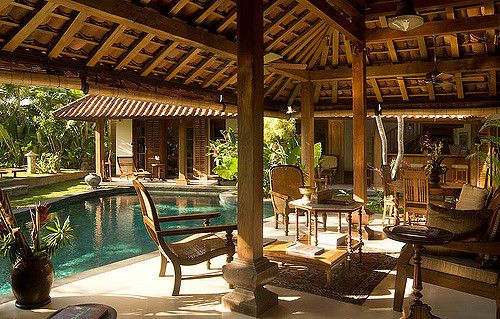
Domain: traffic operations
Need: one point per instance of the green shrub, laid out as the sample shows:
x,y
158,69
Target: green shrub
x,y
48,163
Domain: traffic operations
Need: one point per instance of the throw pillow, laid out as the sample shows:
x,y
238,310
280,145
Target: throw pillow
x,y
464,224
472,198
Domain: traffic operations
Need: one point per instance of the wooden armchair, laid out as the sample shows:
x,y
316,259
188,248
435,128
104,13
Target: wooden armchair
x,y
415,194
285,181
202,244
127,168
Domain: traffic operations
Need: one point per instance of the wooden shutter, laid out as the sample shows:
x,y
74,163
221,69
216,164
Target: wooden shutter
x,y
152,142
200,143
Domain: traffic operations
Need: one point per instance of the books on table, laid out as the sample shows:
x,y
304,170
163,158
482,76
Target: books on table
x,y
305,250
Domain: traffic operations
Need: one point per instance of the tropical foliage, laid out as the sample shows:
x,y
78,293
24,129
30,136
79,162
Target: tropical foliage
x,y
26,123
494,141
434,164
47,232
281,146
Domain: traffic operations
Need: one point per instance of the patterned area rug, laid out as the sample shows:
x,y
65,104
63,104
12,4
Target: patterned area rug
x,y
350,284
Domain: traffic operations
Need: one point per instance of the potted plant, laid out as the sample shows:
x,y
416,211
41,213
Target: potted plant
x,y
32,272
434,166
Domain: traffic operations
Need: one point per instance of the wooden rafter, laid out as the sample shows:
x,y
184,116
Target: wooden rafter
x,y
4,4
422,48
404,69
349,7
27,28
144,40
326,48
376,90
392,51
182,63
435,28
178,6
335,47
402,88
333,18
388,8
430,90
294,94
296,47
287,30
335,91
229,81
70,29
452,38
151,21
285,14
164,52
218,74
492,82
460,85
200,68
274,85
489,9
230,19
108,41
209,10
312,51
348,50
281,89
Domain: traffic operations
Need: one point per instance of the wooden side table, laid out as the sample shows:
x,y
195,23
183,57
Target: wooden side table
x,y
418,236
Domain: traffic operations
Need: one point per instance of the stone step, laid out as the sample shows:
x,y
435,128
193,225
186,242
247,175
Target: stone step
x,y
16,190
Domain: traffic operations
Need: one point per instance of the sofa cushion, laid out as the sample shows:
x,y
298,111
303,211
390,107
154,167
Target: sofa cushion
x,y
472,197
461,267
464,224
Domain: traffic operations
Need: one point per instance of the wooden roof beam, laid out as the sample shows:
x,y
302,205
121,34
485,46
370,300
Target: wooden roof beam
x,y
218,74
182,63
200,68
321,8
335,92
492,83
164,52
144,40
151,21
402,88
4,4
228,82
102,48
27,28
376,90
386,8
453,38
489,9
430,90
209,10
403,69
349,7
70,29
178,6
435,28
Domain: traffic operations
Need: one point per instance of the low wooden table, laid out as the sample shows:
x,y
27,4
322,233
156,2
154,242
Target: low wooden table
x,y
445,189
418,236
312,210
325,262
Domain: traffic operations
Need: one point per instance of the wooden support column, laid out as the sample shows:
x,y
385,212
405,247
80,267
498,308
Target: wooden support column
x,y
99,146
182,154
307,131
359,121
250,271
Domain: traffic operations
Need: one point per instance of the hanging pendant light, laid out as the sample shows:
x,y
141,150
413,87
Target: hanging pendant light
x,y
406,17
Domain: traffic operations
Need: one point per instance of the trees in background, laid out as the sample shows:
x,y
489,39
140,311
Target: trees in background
x,y
26,123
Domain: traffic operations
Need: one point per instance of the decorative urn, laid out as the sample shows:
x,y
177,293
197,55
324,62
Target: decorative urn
x,y
93,180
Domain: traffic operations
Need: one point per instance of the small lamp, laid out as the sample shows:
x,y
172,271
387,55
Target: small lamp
x,y
406,17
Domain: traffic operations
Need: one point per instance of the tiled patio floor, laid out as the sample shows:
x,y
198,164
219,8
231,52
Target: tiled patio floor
x,y
135,291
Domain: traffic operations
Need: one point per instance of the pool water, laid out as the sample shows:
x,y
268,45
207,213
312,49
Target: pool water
x,y
110,229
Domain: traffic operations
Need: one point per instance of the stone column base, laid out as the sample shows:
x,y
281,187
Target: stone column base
x,y
250,297
182,181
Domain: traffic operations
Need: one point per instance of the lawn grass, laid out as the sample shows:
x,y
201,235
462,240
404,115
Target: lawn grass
x,y
42,194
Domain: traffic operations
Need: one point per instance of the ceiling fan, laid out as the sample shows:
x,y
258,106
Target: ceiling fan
x,y
436,76
274,60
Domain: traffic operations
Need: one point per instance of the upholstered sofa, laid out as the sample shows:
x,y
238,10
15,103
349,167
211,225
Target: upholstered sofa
x,y
468,264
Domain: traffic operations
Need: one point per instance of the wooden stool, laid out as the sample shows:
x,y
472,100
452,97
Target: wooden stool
x,y
390,211
460,173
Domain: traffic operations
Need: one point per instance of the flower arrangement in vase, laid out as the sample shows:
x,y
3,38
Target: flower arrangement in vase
x,y
32,272
435,167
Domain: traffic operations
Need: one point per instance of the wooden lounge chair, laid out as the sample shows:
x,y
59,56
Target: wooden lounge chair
x,y
128,169
285,181
201,245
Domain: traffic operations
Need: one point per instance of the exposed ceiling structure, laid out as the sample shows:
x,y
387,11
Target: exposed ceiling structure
x,y
192,43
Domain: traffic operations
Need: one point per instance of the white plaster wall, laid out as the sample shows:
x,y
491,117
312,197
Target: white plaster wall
x,y
123,139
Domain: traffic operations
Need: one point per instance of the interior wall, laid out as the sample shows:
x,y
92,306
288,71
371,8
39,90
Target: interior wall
x,y
123,140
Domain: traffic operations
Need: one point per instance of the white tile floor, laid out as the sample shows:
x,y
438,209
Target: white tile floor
x,y
135,291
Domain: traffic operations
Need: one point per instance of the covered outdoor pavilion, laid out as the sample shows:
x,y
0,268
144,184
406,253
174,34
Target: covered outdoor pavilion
x,y
332,54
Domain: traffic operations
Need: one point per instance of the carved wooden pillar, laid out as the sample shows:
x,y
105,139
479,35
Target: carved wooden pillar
x,y
359,120
250,271
307,131
182,154
99,146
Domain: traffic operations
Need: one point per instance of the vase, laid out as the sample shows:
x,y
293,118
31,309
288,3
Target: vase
x,y
434,178
93,180
31,281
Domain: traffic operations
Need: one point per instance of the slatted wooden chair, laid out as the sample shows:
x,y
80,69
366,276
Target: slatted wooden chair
x,y
201,245
128,169
285,181
415,194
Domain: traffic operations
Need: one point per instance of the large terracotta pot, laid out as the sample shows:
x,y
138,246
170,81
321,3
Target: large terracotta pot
x,y
31,282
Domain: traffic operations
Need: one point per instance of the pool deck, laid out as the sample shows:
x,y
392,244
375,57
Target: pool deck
x,y
134,290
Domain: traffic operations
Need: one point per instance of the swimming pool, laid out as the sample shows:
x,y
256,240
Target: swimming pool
x,y
110,229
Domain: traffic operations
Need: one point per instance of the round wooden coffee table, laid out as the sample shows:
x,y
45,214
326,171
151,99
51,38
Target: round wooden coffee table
x,y
418,236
